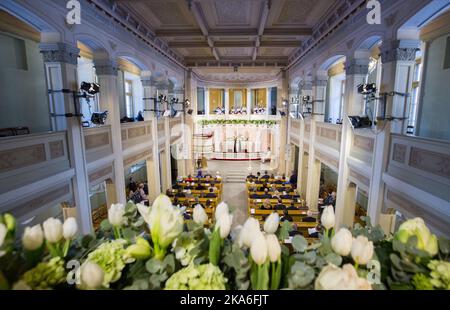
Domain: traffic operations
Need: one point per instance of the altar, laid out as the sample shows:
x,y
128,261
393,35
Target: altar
x,y
240,139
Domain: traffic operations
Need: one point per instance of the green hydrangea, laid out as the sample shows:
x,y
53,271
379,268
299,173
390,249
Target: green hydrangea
x,y
46,275
422,282
440,274
202,277
182,248
110,257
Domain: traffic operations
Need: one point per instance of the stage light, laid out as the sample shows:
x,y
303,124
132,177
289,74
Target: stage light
x,y
187,102
99,118
359,122
367,89
306,98
90,88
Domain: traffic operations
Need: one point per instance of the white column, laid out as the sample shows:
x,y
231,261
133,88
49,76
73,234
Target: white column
x,y
249,99
398,66
207,111
356,70
106,71
314,170
60,63
227,100
268,101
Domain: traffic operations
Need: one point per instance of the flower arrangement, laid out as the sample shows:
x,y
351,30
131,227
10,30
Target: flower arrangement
x,y
154,248
237,122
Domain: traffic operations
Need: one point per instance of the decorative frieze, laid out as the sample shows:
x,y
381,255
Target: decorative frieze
x,y
106,67
60,52
399,51
356,66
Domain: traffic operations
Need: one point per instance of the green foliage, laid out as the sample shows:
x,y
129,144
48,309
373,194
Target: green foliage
x,y
202,277
237,265
374,234
46,275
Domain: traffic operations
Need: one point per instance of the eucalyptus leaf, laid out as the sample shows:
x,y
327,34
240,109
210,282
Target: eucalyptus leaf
x,y
299,243
105,225
334,259
153,265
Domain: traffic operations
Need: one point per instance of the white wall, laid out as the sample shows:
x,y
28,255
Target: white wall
x,y
23,89
435,106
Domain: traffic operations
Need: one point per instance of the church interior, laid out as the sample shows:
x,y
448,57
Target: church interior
x,y
225,144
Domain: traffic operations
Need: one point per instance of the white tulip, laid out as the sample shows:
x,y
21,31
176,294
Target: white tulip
x,y
342,242
273,248
199,215
248,232
328,218
258,250
345,278
92,275
3,231
33,237
116,214
70,228
222,208
362,250
224,224
53,230
271,223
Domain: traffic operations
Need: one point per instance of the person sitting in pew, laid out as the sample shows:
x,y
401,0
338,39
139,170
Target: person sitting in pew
x,y
200,187
272,176
210,194
265,176
208,176
266,194
189,178
279,181
254,196
176,202
294,231
213,187
292,207
170,192
208,204
258,175
276,194
199,174
280,205
180,194
309,218
250,176
188,194
266,205
286,217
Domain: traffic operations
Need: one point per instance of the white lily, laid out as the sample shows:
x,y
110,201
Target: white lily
x,y
328,217
248,232
222,208
273,248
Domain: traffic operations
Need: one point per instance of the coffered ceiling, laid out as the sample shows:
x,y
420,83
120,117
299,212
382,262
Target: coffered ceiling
x,y
230,32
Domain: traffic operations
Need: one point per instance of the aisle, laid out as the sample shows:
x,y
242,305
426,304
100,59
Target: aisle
x,y
235,195
234,189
